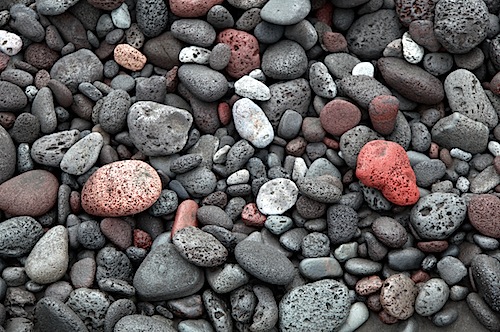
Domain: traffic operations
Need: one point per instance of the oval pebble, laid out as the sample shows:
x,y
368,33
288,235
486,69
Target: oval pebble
x,y
324,188
199,247
8,155
252,123
251,88
284,60
121,188
19,235
82,155
398,295
205,83
276,196
432,296
143,323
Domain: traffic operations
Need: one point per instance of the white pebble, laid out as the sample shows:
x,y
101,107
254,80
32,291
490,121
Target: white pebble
x,y
252,88
363,68
460,154
299,169
238,177
494,148
463,184
220,155
412,52
277,196
346,251
194,54
252,123
31,92
121,17
358,315
10,43
258,74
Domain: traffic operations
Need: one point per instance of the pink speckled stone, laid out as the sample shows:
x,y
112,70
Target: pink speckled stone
x,y
244,52
251,215
129,57
384,165
121,188
192,8
4,60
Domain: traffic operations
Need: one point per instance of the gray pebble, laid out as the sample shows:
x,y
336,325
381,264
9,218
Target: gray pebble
x,y
214,215
123,82
18,77
292,12
302,308
194,31
405,259
353,140
90,91
82,155
165,204
324,189
113,263
321,81
315,245
116,286
429,172
152,88
217,311
152,16
243,302
342,223
438,64
43,109
458,293
390,232
375,249
205,83
445,317
220,17
437,215
290,124
362,266
199,182
268,33
485,271
19,235
144,323
49,150
401,133
199,247
263,262
292,240
220,56
14,276
26,128
451,269
266,311
485,242
483,313
472,59
90,305
320,268
284,60
117,310
420,137
227,278
303,33
53,314
248,20
341,64
90,235
8,153
485,181
278,224
194,325
431,297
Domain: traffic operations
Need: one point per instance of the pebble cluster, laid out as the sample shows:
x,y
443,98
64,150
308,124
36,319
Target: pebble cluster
x,y
248,165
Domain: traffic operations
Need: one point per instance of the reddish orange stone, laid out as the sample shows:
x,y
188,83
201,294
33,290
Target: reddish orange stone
x,y
129,57
185,216
224,112
384,165
368,285
245,55
251,215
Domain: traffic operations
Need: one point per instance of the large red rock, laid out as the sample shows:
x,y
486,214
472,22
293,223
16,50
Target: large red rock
x,y
192,8
32,193
244,52
121,188
484,214
384,165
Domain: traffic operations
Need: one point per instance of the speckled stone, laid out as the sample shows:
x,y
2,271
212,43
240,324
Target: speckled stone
x,y
244,52
19,235
484,214
339,116
390,232
398,296
32,193
199,247
12,97
192,8
432,296
121,188
129,57
82,155
51,313
276,196
486,271
10,43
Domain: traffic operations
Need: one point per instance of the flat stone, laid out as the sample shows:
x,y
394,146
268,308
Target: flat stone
x,y
397,296
82,155
198,247
252,123
276,196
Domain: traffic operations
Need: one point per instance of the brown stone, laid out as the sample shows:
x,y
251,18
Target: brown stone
x,y
339,116
433,246
383,111
163,51
40,56
484,214
118,231
398,295
185,216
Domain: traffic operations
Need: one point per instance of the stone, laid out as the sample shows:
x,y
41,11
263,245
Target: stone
x,y
251,88
437,215
90,305
284,60
398,295
49,150
52,313
129,57
390,232
121,188
205,83
483,214
281,13
194,31
10,43
302,308
362,89
19,235
144,323
198,247
485,271
192,8
324,188
158,129
451,270
163,51
48,7
358,315
386,167
12,97
383,111
151,17
48,260
277,196
342,222
165,274
432,296
339,116
7,155
32,193
227,278
82,155
244,52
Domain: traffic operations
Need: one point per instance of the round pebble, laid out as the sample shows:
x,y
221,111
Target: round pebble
x,y
276,196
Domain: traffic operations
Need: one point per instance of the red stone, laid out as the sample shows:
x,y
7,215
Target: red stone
x,y
484,214
434,151
446,158
32,193
224,112
324,14
334,42
384,165
4,60
74,202
368,285
495,84
383,111
420,276
40,56
339,116
245,55
118,231
121,188
192,8
142,239
433,246
331,143
185,216
251,215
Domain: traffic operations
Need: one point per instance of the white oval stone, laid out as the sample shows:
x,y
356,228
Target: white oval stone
x,y
432,297
252,123
238,177
412,52
494,148
10,43
460,154
220,156
82,155
363,68
252,88
194,54
358,315
463,184
48,260
299,168
277,196
121,17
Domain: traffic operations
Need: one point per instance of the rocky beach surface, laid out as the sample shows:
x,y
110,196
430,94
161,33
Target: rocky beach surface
x,y
249,165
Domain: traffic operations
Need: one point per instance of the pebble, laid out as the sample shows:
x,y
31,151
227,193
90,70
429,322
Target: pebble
x,y
451,270
151,17
416,85
19,235
321,81
227,278
157,280
466,96
194,325
482,311
455,19
342,222
90,236
121,188
284,60
405,259
278,224
205,83
8,153
120,17
277,12
198,247
432,296
429,172
129,57
276,196
368,285
386,167
390,232
163,51
412,52
195,54
249,87
445,317
52,313
358,315
32,193
13,97
320,268
398,295
361,266
145,323
251,123
199,182
82,155
48,260
264,262
244,52
482,214
302,308
150,127
484,270
192,8
362,89
339,116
